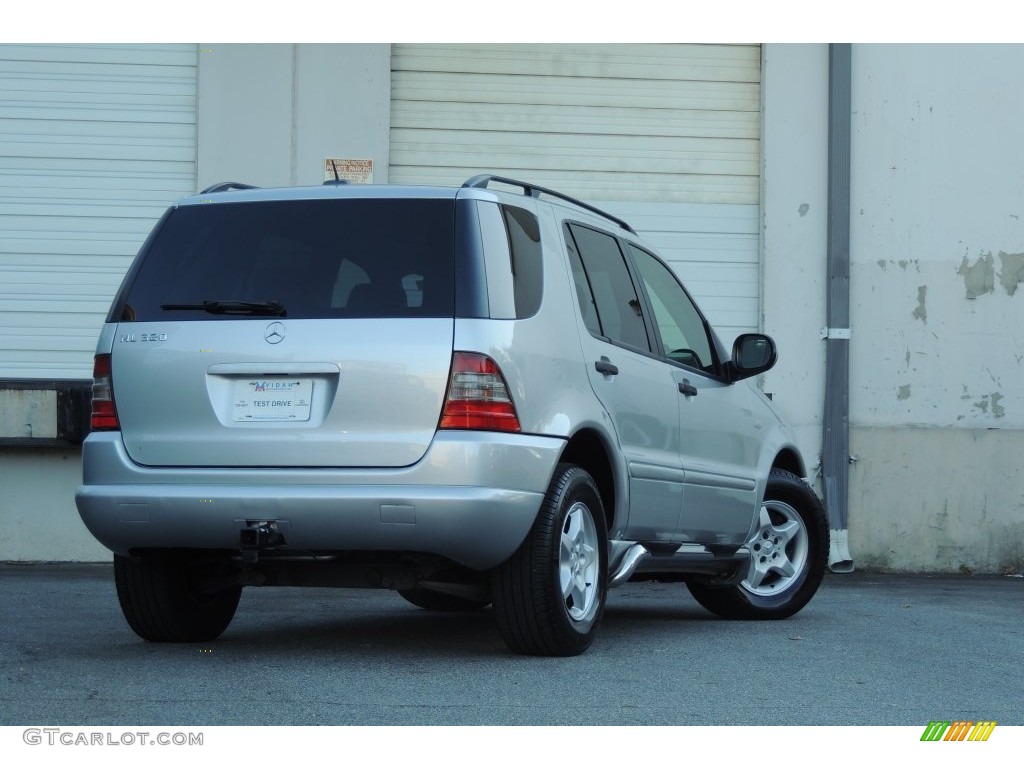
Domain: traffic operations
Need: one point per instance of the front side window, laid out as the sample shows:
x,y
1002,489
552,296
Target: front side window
x,y
680,325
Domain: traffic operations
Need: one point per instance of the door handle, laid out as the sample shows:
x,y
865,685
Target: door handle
x,y
687,388
604,365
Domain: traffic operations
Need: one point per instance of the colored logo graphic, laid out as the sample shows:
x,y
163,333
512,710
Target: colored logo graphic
x,y
958,730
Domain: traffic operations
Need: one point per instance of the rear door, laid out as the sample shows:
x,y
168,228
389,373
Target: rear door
x,y
314,333
635,387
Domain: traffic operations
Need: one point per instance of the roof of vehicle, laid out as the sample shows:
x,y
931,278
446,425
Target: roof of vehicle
x,y
247,194
476,187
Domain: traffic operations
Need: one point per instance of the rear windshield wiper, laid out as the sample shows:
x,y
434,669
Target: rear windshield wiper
x,y
233,307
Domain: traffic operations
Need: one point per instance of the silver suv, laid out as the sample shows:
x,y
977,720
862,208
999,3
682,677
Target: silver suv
x,y
492,394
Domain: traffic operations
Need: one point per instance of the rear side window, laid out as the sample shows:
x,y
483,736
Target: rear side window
x,y
310,258
527,264
608,298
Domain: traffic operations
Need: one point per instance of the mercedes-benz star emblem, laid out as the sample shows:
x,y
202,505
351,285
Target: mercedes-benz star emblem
x,y
274,333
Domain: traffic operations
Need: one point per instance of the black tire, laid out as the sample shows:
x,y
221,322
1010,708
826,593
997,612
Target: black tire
x,y
549,596
441,601
162,602
789,554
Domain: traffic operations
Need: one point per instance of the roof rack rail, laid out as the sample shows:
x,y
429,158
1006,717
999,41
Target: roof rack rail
x,y
532,190
224,186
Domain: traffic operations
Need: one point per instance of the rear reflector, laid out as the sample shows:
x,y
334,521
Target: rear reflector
x,y
478,397
104,414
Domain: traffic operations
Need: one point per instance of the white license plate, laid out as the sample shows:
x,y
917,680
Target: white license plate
x,y
272,399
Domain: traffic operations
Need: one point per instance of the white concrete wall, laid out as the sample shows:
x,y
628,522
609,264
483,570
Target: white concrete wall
x,y
37,507
270,114
937,244
938,236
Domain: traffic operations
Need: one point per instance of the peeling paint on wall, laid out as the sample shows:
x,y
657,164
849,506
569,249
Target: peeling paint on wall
x,y
983,405
990,400
980,277
901,263
1012,272
920,312
997,410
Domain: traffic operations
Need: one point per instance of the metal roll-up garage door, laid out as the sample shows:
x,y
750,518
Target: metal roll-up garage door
x,y
95,142
668,136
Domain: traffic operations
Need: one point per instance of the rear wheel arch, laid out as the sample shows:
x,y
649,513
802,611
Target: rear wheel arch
x,y
587,450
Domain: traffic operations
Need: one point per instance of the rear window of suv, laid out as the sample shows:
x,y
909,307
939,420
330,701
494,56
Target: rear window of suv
x,y
297,259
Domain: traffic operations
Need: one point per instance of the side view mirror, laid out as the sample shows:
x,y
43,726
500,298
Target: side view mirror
x,y
752,353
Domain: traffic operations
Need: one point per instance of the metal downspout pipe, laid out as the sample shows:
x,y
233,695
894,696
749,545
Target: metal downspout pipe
x,y
835,459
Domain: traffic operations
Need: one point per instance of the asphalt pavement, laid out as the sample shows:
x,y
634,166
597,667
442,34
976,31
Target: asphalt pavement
x,y
870,649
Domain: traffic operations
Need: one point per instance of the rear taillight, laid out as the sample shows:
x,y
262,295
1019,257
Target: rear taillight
x,y
104,414
478,397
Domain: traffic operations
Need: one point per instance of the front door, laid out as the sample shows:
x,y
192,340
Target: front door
x,y
719,432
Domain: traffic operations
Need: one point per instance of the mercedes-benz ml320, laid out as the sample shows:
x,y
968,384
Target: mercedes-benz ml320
x,y
490,395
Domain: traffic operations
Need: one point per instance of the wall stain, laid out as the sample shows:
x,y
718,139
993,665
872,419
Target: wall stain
x,y
980,277
1012,272
921,312
904,393
803,209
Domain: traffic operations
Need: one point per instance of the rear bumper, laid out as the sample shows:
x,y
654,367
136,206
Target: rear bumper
x,y
472,498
